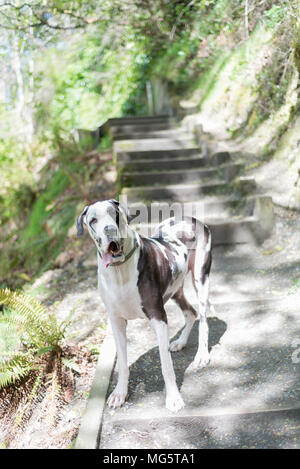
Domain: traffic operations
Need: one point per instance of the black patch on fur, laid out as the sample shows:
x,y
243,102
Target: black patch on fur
x,y
116,204
183,303
208,257
154,277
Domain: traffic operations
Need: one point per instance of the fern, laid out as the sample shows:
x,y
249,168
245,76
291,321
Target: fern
x,y
71,364
37,354
31,318
38,333
17,367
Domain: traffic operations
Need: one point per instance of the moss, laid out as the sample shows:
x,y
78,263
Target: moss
x,y
40,212
208,81
253,165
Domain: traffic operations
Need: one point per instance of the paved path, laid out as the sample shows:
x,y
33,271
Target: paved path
x,y
249,394
234,402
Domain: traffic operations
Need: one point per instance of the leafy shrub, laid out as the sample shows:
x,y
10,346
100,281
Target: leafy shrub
x,y
35,359
36,331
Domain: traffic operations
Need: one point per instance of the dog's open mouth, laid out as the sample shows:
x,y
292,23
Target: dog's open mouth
x,y
112,252
114,248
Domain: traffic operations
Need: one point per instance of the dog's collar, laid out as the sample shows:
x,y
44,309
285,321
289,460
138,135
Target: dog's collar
x,y
116,264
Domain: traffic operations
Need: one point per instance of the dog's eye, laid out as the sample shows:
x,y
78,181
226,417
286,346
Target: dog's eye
x,y
93,220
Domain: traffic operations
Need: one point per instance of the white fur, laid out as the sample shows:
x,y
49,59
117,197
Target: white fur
x,y
202,356
174,401
118,288
169,232
181,342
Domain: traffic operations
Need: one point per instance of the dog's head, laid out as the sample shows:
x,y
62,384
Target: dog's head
x,y
107,223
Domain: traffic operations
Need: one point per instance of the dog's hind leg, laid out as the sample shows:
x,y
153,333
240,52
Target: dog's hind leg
x,y
190,315
118,396
174,401
202,356
200,276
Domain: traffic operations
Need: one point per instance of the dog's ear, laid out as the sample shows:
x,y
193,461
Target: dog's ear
x,y
115,202
79,222
125,208
131,217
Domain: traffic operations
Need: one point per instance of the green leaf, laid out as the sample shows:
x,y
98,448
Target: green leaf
x,y
44,350
69,363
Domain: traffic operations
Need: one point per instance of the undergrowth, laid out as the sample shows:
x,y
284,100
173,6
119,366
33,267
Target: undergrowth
x,y
273,80
38,365
35,227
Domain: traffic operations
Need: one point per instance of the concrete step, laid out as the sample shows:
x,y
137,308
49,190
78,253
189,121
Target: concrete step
x,y
150,133
273,429
130,120
154,144
160,164
253,224
141,127
187,192
174,192
222,207
226,172
159,155
234,231
226,231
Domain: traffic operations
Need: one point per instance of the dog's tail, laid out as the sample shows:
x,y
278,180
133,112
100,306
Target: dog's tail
x,y
203,256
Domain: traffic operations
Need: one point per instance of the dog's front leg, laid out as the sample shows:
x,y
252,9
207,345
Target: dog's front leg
x,y
174,401
118,396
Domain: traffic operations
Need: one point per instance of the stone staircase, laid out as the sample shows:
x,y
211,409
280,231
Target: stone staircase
x,y
249,394
159,163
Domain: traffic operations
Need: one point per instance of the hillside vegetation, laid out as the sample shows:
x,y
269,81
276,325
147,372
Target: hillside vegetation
x,y
249,100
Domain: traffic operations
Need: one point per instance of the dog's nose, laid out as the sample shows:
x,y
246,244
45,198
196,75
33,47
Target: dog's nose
x,y
110,230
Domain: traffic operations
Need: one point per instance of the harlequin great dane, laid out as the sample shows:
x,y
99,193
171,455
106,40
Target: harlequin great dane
x,y
136,277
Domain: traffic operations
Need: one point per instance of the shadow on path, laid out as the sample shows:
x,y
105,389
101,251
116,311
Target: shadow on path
x,y
146,370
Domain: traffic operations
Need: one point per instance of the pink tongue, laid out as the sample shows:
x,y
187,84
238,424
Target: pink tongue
x,y
107,258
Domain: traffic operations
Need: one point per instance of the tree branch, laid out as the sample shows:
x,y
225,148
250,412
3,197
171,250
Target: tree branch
x,y
173,30
41,20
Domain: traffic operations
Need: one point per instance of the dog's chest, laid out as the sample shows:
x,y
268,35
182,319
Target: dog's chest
x,y
120,293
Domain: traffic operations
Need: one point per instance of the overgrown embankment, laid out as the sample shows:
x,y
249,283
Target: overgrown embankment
x,y
39,223
237,74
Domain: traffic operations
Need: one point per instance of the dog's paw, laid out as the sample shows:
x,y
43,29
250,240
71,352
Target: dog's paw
x,y
197,364
174,402
176,345
116,399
